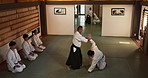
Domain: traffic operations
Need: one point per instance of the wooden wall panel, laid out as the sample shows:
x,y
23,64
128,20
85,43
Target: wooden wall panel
x,y
26,0
67,0
7,1
2,25
93,0
115,0
14,23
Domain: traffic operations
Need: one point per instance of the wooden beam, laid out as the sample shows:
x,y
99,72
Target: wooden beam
x,y
88,2
18,5
43,18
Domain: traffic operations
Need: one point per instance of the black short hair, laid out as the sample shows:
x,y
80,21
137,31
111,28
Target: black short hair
x,y
79,27
34,31
90,53
25,36
12,43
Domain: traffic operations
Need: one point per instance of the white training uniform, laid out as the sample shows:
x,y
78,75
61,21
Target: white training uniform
x,y
27,48
96,19
37,43
77,39
12,60
98,58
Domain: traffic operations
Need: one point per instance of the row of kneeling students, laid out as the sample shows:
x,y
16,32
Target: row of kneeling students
x,y
14,62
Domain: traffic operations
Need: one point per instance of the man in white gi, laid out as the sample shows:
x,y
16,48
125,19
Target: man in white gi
x,y
36,41
13,59
96,19
28,49
97,57
74,60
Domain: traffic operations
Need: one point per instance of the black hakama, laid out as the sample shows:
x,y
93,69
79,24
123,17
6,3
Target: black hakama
x,y
75,58
88,19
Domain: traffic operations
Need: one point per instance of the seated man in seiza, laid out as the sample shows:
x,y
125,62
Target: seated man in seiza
x,y
28,49
13,59
36,41
96,19
97,57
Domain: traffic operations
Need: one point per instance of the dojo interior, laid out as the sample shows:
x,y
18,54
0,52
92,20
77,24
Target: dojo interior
x,y
123,38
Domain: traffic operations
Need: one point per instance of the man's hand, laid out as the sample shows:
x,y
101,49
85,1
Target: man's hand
x,y
89,36
40,48
88,71
31,53
20,62
16,66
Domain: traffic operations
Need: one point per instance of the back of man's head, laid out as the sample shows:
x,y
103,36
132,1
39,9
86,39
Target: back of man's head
x,y
12,43
25,36
34,31
90,53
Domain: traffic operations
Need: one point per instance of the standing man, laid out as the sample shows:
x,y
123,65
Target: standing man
x,y
97,57
90,13
13,59
75,57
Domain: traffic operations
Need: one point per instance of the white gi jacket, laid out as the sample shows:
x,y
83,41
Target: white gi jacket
x,y
36,41
12,59
97,55
27,47
78,38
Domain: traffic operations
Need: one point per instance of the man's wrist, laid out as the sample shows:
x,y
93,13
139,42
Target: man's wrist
x,y
88,71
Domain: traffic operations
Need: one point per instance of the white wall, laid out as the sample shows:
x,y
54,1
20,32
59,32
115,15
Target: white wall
x,y
60,24
116,25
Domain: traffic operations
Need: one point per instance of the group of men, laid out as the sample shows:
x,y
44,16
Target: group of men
x,y
74,60
92,17
14,62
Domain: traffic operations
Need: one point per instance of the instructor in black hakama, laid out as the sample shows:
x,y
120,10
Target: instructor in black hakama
x,y
74,60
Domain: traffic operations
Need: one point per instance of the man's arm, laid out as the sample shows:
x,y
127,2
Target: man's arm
x,y
93,46
93,65
34,41
25,48
9,61
83,39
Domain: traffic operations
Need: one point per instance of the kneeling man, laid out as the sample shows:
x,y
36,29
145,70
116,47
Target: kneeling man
x,y
97,57
13,59
28,49
36,41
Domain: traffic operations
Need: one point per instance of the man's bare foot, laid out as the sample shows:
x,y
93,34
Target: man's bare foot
x,y
68,68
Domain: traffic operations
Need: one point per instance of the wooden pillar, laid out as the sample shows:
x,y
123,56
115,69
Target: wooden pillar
x,y
96,9
43,18
146,41
136,19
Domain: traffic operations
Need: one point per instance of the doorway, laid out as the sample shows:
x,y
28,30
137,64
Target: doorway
x,y
90,17
143,27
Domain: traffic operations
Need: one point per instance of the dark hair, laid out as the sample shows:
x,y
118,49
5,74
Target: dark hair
x,y
90,53
34,31
25,36
12,43
79,27
89,8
